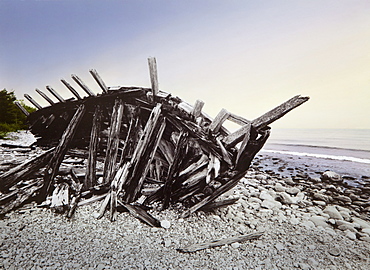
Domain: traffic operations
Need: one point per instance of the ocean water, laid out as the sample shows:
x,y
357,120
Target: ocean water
x,y
345,151
336,144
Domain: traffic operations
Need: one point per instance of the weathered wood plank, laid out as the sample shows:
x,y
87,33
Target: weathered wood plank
x,y
238,119
236,137
45,96
278,112
20,172
219,120
244,143
70,88
99,80
113,141
153,75
197,110
30,99
82,85
221,242
55,93
23,110
90,177
55,161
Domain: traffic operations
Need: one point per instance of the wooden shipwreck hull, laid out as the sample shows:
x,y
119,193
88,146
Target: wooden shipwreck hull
x,y
153,146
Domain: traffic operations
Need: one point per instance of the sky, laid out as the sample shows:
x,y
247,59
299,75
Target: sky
x,y
244,56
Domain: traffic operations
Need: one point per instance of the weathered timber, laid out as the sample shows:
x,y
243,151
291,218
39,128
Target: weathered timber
x,y
82,85
90,177
236,137
30,99
174,171
113,140
197,110
278,112
70,88
219,120
141,214
22,171
54,163
153,75
219,204
221,242
55,93
244,144
60,197
20,106
238,119
51,102
99,80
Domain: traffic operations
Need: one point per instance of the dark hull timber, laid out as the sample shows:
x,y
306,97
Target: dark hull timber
x,y
154,148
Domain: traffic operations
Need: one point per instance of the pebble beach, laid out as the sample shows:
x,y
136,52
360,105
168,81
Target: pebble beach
x,y
311,218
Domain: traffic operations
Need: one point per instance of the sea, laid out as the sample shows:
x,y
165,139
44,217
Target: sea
x,y
347,150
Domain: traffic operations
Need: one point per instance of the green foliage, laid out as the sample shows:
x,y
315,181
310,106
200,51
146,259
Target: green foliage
x,y
11,118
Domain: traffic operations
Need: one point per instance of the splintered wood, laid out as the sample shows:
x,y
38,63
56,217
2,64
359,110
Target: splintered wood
x,y
133,148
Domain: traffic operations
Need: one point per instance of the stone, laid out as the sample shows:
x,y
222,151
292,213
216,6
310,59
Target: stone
x,y
351,235
321,197
167,242
366,230
363,224
321,203
333,212
265,195
292,190
261,177
165,224
286,198
279,187
347,227
334,251
235,245
319,221
294,221
343,198
331,176
271,204
279,246
313,262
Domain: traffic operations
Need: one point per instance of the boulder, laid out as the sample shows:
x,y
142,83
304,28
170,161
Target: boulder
x,y
363,224
271,204
286,198
292,190
331,176
333,212
320,221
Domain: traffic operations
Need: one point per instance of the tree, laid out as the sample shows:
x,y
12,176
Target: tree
x,y
11,118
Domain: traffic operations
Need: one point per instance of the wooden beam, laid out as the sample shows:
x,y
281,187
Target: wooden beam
x,y
238,119
278,112
90,177
70,88
244,143
23,110
45,96
82,85
113,140
219,120
30,99
197,110
153,75
53,166
237,136
55,93
99,80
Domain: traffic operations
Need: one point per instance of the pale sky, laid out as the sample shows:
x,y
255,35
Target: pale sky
x,y
244,56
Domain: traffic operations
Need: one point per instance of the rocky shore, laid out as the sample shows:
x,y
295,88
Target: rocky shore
x,y
310,220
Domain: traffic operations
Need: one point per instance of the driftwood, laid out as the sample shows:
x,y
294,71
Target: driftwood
x,y
154,148
221,242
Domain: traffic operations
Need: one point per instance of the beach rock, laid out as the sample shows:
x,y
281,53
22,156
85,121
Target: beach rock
x,y
331,176
286,198
165,224
271,204
266,195
366,230
345,227
279,187
343,198
320,221
334,251
351,235
321,197
363,224
292,190
321,203
333,212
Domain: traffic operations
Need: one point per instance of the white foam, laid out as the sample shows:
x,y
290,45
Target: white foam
x,y
353,159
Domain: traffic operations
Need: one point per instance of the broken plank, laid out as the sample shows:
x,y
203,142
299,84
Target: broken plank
x,y
153,75
82,85
45,96
55,161
99,80
30,99
141,214
70,88
20,106
197,110
20,172
219,120
55,93
278,112
221,242
236,137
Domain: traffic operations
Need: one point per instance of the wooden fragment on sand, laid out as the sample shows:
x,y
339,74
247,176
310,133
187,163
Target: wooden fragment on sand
x,y
221,242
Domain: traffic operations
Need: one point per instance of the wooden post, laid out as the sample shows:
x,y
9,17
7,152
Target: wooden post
x,y
90,177
23,110
30,99
244,143
55,93
70,88
113,140
54,163
219,120
197,110
153,76
82,85
99,80
45,96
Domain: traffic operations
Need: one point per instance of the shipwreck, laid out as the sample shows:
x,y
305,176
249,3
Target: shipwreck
x,y
136,147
